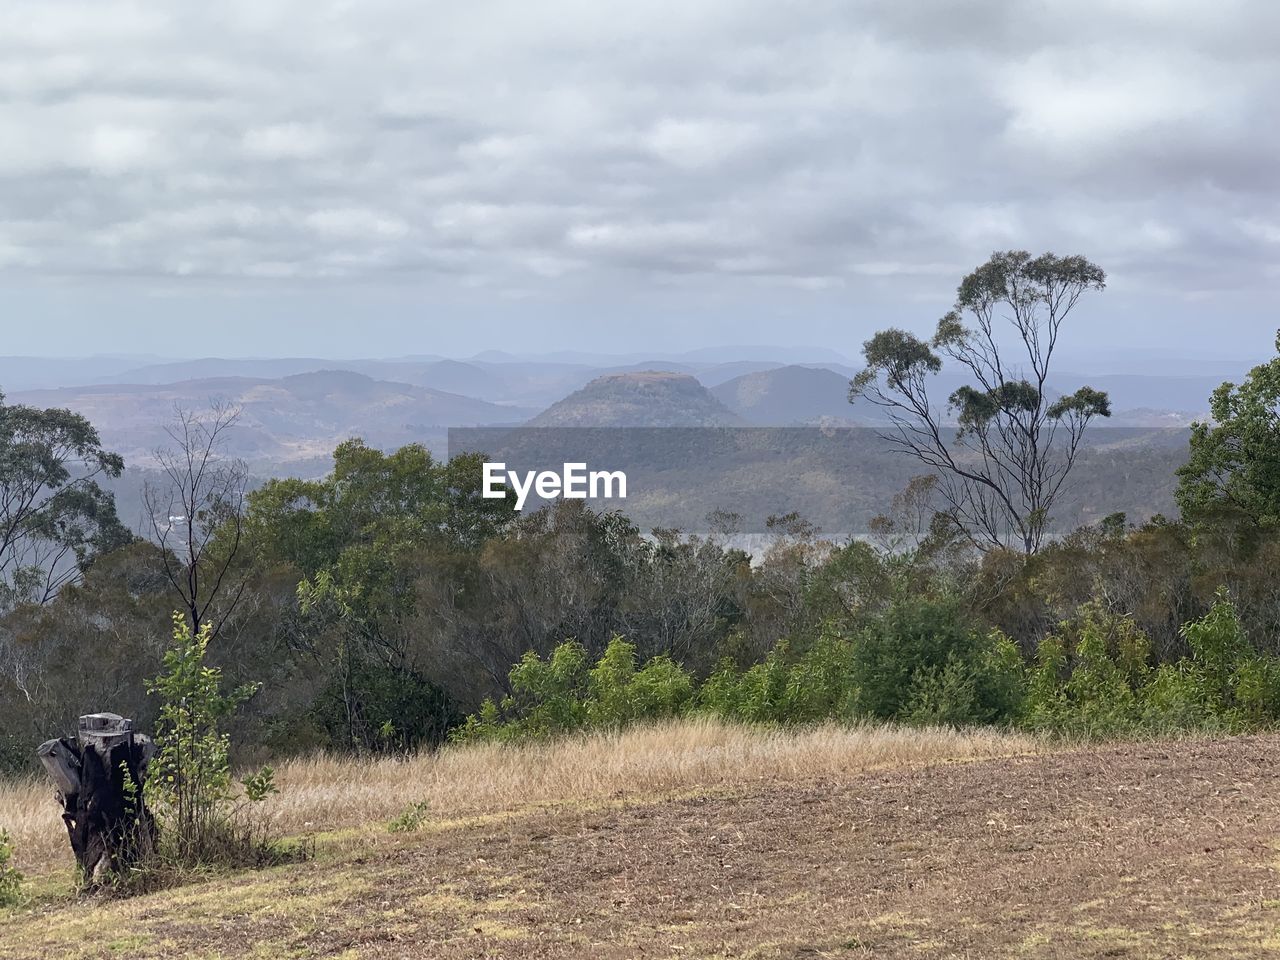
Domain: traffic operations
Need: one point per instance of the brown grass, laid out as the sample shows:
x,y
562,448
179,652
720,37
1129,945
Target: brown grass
x,y
327,793
834,844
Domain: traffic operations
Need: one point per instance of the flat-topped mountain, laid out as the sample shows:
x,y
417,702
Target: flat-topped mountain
x,y
648,398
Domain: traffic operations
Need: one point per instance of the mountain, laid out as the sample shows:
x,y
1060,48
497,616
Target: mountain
x,y
284,421
651,398
449,376
792,395
704,355
33,373
207,368
1151,392
713,374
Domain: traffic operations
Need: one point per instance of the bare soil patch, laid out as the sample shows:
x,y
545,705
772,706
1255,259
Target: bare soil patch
x,y
1147,850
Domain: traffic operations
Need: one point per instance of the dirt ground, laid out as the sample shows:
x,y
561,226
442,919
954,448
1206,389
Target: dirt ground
x,y
1165,850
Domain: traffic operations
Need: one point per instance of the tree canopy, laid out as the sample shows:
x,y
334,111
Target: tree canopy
x,y
55,518
1234,465
1004,463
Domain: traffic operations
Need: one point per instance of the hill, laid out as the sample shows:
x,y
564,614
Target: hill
x,y
696,840
792,395
284,420
651,398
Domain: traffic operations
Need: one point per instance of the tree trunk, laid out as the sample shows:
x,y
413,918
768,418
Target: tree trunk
x,y
100,777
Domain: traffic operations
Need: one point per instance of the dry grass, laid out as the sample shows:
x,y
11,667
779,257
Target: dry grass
x,y
33,819
326,793
1134,849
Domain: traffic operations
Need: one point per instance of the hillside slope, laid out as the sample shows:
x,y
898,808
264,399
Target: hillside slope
x,y
283,420
793,395
1162,849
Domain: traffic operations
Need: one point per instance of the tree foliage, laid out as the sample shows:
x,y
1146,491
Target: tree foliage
x,y
1234,466
55,518
190,785
1003,465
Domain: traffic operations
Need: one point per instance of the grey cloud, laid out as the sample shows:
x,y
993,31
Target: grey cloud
x,y
534,148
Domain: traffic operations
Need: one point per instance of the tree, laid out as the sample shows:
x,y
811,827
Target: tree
x,y
1004,462
362,539
197,513
55,518
1234,467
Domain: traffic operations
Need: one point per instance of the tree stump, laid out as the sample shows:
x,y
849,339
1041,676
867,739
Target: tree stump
x,y
100,776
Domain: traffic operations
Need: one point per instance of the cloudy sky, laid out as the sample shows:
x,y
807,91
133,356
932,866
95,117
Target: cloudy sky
x,y
379,178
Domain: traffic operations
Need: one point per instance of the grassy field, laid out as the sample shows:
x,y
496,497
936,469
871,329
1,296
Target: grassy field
x,y
703,840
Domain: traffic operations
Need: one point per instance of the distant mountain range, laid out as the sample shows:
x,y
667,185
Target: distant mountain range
x,y
296,409
285,420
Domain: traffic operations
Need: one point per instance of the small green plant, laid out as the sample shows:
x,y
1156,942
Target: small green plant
x,y
190,787
411,818
10,878
258,786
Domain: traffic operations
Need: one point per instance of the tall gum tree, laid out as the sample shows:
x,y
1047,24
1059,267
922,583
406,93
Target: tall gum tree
x,y
1002,448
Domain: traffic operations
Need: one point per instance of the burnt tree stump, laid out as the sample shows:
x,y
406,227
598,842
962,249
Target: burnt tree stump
x,y
100,775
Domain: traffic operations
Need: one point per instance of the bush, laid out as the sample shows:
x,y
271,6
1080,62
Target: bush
x,y
189,787
816,685
411,818
10,878
1093,678
384,709
619,694
923,662
1089,675
566,692
1224,685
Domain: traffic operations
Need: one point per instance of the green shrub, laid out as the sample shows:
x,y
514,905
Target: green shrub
x,y
1224,685
619,694
566,692
1088,676
549,696
923,662
1093,678
411,818
383,709
919,662
815,685
10,878
484,726
754,695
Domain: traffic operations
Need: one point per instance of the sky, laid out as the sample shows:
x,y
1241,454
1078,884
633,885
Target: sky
x,y
381,178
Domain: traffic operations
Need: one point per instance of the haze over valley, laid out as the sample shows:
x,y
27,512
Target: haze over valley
x,y
296,409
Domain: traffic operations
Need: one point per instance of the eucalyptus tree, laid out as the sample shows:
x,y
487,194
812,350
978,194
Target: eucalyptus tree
x,y
55,517
1004,444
